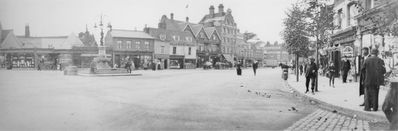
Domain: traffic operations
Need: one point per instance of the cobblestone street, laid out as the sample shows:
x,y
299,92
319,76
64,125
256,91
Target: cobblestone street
x,y
329,121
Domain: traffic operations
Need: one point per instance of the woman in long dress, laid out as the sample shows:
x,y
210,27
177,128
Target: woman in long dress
x,y
239,72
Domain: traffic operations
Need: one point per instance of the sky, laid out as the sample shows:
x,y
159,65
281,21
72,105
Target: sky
x,y
63,17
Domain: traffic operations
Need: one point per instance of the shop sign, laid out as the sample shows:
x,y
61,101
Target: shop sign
x,y
348,51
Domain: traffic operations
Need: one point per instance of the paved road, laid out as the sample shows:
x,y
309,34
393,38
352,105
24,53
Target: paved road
x,y
162,100
324,120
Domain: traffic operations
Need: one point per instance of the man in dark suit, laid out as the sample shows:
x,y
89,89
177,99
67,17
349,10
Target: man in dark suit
x,y
255,66
374,71
346,68
365,54
310,74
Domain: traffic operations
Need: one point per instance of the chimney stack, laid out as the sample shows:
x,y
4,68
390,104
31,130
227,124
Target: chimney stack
x,y
172,16
221,9
27,31
211,10
187,19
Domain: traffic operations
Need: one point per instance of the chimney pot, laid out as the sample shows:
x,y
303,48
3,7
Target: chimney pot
x,y
211,10
27,30
221,8
172,16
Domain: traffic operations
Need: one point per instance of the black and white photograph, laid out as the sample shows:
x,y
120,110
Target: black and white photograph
x,y
189,65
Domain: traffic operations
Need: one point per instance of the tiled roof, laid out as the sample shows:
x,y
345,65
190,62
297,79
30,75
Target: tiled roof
x,y
4,34
217,16
42,42
209,31
196,28
56,42
155,32
130,34
172,24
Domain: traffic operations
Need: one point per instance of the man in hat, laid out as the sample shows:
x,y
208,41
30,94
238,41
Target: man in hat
x,y
365,54
374,70
310,74
346,68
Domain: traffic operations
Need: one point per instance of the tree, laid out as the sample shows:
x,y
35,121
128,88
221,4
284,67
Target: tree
x,y
276,43
87,39
268,43
294,34
319,17
248,35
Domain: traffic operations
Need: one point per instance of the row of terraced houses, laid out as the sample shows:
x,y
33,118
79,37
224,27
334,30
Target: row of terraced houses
x,y
215,39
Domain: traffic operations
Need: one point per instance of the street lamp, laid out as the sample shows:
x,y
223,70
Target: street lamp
x,y
101,27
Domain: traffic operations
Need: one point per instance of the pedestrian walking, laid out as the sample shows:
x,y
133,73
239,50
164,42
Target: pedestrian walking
x,y
239,72
128,66
346,68
41,63
301,69
310,75
331,71
390,107
374,71
255,66
365,54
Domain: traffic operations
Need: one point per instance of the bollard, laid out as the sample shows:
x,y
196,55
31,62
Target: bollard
x,y
390,105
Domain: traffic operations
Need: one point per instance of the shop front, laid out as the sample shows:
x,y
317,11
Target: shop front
x,y
141,60
176,62
162,61
343,47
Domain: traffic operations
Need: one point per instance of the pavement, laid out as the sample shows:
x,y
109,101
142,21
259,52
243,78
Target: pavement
x,y
343,98
322,120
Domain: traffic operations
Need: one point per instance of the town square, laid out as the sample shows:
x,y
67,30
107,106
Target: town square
x,y
199,65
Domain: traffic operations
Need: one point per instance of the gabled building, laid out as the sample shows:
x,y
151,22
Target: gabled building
x,y
199,37
225,25
176,49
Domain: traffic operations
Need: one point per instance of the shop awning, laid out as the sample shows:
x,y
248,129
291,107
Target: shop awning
x,y
161,56
228,57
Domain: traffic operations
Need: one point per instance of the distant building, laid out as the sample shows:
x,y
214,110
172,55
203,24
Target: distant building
x,y
206,41
133,45
225,25
31,52
275,54
179,46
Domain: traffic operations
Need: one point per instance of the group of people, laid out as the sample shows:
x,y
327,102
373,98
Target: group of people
x,y
239,66
372,76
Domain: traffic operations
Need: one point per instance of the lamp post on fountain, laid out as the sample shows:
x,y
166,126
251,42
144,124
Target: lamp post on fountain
x,y
101,62
101,27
